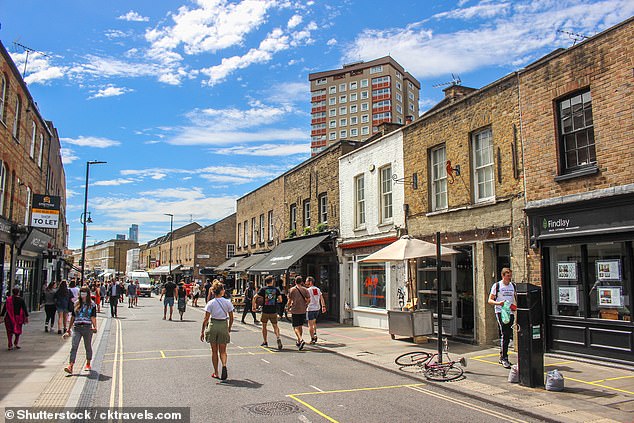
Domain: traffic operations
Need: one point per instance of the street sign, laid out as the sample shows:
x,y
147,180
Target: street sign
x,y
45,211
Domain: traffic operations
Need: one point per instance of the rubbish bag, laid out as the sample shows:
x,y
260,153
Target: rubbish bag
x,y
554,381
514,374
506,312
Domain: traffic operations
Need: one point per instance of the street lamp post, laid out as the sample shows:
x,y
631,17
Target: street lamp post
x,y
171,236
85,220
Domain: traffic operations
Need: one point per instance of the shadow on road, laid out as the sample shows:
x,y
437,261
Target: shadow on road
x,y
246,383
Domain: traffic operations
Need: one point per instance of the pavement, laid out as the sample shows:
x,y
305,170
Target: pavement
x,y
595,391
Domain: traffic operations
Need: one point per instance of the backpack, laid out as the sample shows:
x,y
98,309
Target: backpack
x,y
497,288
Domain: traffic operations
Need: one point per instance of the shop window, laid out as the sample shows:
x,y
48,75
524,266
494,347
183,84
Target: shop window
x,y
372,285
609,279
567,281
576,132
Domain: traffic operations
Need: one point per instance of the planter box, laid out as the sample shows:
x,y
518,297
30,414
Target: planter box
x,y
410,323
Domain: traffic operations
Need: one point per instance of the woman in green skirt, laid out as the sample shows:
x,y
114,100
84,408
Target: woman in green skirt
x,y
216,329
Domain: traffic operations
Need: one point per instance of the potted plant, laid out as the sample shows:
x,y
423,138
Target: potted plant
x,y
291,233
307,230
321,227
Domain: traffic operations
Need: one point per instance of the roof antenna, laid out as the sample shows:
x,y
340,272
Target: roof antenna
x,y
28,51
574,36
455,80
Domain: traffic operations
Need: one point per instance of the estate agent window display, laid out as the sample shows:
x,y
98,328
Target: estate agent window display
x,y
592,280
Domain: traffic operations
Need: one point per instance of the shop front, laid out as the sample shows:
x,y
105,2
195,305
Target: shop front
x,y
587,275
313,255
30,267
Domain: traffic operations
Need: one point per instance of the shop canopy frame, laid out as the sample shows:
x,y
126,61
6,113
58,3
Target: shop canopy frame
x,y
163,270
228,265
249,262
286,254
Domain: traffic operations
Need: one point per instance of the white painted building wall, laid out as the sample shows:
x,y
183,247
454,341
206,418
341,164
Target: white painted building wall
x,y
368,160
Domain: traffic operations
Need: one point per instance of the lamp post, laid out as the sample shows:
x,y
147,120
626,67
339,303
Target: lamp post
x,y
85,220
171,236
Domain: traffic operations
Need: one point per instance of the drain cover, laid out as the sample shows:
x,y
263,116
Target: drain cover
x,y
278,408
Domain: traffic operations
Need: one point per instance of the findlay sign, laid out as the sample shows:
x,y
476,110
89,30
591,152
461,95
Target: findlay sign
x,y
45,211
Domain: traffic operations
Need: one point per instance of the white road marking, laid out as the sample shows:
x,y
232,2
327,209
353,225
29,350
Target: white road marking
x,y
290,374
303,418
316,388
268,362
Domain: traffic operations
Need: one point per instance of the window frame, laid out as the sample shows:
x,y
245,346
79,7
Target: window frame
x,y
15,131
386,211
3,96
293,217
359,201
477,169
323,207
306,216
33,139
262,228
271,225
590,147
230,251
438,176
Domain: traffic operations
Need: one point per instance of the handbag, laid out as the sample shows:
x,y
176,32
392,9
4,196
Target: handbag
x,y
210,324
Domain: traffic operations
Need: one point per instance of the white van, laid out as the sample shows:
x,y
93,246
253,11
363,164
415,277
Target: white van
x,y
144,281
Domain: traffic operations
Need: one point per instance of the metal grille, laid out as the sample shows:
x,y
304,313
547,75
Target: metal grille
x,y
277,408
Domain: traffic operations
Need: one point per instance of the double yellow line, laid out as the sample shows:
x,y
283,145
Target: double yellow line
x,y
117,366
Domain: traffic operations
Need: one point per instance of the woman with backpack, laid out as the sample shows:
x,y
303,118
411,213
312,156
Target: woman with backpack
x,y
62,304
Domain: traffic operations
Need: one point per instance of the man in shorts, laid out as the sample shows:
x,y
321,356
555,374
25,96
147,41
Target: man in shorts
x,y
271,296
171,293
131,294
316,305
298,299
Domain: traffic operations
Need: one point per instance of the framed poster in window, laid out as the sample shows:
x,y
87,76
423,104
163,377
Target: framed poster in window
x,y
610,296
567,271
567,295
608,270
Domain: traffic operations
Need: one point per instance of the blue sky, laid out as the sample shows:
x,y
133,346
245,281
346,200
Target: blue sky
x,y
196,103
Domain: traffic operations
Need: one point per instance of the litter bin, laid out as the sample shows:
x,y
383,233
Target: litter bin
x,y
410,323
530,335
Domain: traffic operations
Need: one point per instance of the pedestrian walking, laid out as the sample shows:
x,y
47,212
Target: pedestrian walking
x,y
131,292
315,306
270,296
298,299
170,292
138,293
14,314
114,292
83,321
195,294
281,307
97,288
182,299
103,290
216,330
206,289
501,292
62,305
74,291
49,305
249,293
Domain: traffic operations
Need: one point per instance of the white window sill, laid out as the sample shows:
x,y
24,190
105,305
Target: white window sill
x,y
369,310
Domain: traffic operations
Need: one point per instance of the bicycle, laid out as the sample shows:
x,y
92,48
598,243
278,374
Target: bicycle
x,y
439,372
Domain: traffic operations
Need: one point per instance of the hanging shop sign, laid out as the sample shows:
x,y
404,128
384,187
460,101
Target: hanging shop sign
x,y
45,211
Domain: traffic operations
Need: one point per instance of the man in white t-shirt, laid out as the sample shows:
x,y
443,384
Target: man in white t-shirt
x,y
502,291
316,305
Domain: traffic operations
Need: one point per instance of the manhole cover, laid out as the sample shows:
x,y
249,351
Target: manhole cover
x,y
278,408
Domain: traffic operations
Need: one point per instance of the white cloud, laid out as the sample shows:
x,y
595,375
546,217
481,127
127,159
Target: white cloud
x,y
70,193
113,34
331,42
133,16
226,179
294,21
527,33
226,173
110,91
212,136
484,10
40,68
232,118
193,193
113,182
68,155
289,93
266,150
91,142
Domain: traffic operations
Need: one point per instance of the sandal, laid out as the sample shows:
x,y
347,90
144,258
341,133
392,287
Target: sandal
x,y
215,376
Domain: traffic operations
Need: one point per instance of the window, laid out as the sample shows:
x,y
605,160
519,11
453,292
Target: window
x,y
332,101
376,69
262,228
398,75
483,165
271,226
380,92
386,194
365,118
438,159
3,183
343,122
353,108
359,201
411,107
16,119
354,132
380,116
317,93
354,120
576,132
364,95
353,85
254,231
41,153
365,131
246,234
323,208
239,235
381,80
353,96
332,136
231,251
3,96
27,211
371,285
399,97
293,216
332,90
399,109
320,81
307,214
332,112
410,96
410,85
364,83
398,86
33,139
382,103
343,133
332,123
365,107
343,99
343,110
342,88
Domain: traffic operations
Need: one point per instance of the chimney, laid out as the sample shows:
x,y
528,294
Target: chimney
x,y
455,92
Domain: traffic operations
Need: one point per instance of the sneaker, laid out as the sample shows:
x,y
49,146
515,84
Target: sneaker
x,y
69,369
279,344
313,340
505,363
223,373
301,345
264,344
87,368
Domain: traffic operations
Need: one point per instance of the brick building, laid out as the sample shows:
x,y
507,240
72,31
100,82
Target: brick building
x,y
106,259
293,216
577,108
30,165
478,209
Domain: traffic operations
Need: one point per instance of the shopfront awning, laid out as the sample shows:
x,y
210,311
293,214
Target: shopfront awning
x,y
228,265
286,254
163,270
248,262
35,243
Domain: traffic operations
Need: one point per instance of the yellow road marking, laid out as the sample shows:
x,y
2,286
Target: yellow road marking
x,y
376,388
310,407
163,355
467,405
601,386
561,363
612,378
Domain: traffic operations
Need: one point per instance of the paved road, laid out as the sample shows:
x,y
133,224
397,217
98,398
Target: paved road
x,y
146,362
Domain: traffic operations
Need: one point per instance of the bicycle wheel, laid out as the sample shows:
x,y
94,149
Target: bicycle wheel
x,y
412,358
443,372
